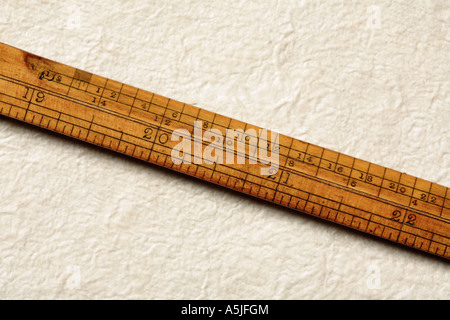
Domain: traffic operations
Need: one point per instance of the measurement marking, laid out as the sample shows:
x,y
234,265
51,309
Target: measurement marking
x,y
414,241
228,178
443,202
320,212
381,183
351,171
412,193
196,169
306,202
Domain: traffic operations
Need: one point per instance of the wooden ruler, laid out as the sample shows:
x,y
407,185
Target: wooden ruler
x,y
314,180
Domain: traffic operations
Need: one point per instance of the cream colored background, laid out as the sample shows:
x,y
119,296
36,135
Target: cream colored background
x,y
366,78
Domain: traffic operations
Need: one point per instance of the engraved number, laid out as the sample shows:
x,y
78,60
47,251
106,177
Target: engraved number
x,y
40,96
411,219
396,215
148,133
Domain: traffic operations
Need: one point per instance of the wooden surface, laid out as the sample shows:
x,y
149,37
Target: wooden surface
x,y
317,181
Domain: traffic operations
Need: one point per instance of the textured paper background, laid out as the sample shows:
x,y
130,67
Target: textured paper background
x,y
366,78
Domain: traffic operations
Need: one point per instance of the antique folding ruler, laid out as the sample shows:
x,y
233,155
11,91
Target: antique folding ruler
x,y
311,179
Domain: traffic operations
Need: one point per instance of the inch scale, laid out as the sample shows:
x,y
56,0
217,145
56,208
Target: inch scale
x,y
311,179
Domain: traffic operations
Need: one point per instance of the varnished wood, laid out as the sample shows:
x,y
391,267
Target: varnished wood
x,y
317,181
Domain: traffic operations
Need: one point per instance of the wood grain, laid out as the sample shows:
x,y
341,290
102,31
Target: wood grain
x,y
311,179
